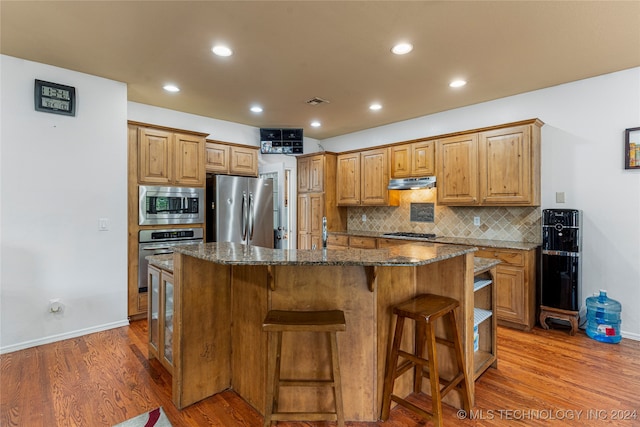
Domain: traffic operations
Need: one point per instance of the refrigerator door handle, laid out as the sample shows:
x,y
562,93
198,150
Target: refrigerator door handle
x,y
251,214
244,215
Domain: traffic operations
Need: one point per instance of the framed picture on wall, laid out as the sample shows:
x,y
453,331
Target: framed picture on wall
x,y
632,148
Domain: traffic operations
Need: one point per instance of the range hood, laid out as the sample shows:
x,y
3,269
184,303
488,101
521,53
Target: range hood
x,y
412,183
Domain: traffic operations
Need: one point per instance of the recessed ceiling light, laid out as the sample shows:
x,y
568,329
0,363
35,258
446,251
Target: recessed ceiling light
x,y
458,83
221,50
375,107
256,109
402,48
171,88
316,124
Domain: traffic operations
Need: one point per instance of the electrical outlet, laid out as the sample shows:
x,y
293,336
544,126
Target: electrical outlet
x,y
364,218
103,224
560,197
476,221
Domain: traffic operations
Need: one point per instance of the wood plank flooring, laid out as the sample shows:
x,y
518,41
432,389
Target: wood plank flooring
x,y
544,378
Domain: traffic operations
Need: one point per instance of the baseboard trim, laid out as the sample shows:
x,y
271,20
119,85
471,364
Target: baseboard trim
x,y
65,336
631,336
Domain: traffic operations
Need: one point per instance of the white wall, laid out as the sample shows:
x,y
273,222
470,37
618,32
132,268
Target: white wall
x,y
59,175
582,156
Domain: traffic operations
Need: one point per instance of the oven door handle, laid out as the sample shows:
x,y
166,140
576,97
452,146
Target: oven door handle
x,y
157,248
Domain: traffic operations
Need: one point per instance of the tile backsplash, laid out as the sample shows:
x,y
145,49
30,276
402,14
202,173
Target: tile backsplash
x,y
517,224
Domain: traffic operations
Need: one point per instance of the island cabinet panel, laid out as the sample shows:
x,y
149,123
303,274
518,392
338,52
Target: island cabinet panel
x,y
202,325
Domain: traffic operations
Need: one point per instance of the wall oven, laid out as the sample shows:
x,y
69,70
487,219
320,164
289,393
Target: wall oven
x,y
170,205
158,242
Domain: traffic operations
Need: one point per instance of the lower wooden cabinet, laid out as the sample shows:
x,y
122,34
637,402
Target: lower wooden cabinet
x,y
160,316
515,281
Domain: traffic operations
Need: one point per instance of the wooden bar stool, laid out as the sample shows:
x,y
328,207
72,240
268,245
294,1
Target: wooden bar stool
x,y
425,310
277,322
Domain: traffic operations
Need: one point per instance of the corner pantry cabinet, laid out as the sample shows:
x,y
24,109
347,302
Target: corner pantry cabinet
x,y
494,167
170,157
231,159
317,199
362,179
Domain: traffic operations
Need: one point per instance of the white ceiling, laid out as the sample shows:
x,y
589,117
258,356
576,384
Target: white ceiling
x,y
286,52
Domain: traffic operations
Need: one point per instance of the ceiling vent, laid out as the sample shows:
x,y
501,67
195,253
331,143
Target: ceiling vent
x,y
316,101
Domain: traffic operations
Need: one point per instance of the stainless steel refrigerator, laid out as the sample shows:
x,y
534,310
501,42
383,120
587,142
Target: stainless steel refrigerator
x,y
240,209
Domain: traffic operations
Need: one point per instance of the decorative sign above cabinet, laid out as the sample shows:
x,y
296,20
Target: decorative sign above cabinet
x,y
55,98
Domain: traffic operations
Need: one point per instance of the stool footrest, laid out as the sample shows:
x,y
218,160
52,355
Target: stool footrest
x,y
306,383
412,407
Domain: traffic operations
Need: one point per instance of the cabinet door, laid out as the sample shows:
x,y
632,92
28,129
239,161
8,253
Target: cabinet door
x,y
505,166
423,158
153,279
303,214
510,295
243,161
303,174
316,212
401,161
189,160
374,177
167,331
154,156
217,158
348,179
316,173
457,170
304,241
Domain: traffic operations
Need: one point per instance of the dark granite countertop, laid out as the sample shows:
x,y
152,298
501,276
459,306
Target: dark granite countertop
x,y
486,243
403,255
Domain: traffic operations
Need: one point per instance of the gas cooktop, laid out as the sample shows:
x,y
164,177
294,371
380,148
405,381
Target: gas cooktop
x,y
407,234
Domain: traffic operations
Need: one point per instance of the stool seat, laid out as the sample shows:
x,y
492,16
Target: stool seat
x,y
424,310
322,321
328,322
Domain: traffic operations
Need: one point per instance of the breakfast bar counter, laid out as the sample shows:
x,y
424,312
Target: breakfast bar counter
x,y
224,290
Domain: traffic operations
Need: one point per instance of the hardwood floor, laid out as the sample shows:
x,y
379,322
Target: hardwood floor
x,y
544,378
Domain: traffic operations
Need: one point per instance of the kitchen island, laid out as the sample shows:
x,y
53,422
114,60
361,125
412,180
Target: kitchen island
x,y
224,290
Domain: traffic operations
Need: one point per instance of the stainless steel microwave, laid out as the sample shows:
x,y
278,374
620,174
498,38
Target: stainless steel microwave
x,y
170,205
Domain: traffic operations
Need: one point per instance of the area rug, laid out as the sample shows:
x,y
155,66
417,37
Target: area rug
x,y
154,418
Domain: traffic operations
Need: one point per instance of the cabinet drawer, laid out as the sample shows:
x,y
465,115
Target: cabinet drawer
x,y
507,257
362,242
387,243
338,240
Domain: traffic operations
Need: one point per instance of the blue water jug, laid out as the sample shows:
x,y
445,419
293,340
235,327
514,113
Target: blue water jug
x,y
603,318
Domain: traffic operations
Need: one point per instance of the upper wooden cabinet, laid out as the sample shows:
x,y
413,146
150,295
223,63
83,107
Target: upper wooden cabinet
x,y
311,173
496,167
230,159
170,158
363,177
413,160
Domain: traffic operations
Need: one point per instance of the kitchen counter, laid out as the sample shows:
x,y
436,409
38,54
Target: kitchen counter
x,y
487,243
163,262
224,290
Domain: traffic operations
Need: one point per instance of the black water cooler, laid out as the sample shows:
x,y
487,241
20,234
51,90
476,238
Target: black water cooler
x,y
560,292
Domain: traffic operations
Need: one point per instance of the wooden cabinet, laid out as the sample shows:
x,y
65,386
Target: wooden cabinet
x,y
363,177
484,318
338,241
230,159
170,158
160,316
495,167
515,281
316,199
362,242
457,173
413,160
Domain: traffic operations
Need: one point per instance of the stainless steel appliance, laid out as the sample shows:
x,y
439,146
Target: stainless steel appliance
x,y
561,248
170,205
412,183
240,209
157,242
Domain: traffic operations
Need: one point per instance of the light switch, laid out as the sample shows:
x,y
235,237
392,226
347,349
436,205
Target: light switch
x,y
103,224
560,197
